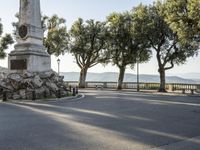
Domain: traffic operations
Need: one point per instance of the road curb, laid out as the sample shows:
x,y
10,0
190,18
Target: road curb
x,y
72,98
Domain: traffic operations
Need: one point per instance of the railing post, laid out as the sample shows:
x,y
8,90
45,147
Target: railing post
x,y
170,87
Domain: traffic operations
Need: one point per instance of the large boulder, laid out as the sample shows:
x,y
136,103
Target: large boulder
x,y
40,92
16,96
37,82
47,75
52,86
5,85
15,77
15,80
27,74
27,84
22,93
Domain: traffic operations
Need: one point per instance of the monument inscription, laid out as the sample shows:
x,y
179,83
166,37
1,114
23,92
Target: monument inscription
x,y
18,64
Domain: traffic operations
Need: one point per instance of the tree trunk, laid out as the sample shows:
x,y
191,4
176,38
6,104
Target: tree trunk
x,y
162,80
121,77
82,77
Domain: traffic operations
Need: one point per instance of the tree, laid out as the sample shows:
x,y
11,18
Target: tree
x,y
5,41
124,45
15,25
168,47
56,39
87,45
183,18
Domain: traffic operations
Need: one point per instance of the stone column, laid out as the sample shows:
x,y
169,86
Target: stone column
x,y
29,54
29,18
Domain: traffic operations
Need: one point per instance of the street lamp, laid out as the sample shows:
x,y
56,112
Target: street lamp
x,y
58,61
138,77
138,71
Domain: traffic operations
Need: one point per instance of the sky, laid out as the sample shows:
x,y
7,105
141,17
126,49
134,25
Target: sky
x,y
71,10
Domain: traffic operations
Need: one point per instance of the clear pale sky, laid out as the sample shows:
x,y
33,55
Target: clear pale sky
x,y
88,9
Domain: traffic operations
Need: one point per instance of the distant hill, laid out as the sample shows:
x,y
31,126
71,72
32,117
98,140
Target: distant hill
x,y
112,77
193,78
190,75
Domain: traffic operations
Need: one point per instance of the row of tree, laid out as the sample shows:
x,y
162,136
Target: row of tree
x,y
171,29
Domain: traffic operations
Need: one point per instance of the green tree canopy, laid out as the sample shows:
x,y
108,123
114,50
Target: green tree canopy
x,y
5,41
125,47
87,44
184,19
168,47
56,39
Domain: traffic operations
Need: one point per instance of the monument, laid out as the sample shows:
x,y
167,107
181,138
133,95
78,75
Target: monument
x,y
29,54
29,64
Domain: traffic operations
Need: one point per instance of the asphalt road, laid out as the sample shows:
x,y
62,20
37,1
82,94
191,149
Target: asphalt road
x,y
103,120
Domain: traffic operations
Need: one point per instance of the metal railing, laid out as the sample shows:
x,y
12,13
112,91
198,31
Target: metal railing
x,y
133,85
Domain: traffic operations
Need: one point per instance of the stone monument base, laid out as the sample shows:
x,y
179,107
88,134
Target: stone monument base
x,y
31,61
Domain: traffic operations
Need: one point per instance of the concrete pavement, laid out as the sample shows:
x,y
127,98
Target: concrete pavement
x,y
109,120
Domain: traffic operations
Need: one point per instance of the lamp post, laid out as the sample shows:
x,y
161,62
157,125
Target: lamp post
x,y
58,61
138,71
138,77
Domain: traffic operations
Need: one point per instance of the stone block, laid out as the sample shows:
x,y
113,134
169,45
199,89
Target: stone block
x,y
22,93
16,96
37,81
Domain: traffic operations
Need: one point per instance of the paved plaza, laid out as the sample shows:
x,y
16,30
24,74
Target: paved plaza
x,y
103,120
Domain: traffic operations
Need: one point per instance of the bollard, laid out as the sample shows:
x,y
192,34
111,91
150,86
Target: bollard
x,y
50,92
76,89
192,91
74,92
183,91
45,94
4,96
70,88
58,93
33,95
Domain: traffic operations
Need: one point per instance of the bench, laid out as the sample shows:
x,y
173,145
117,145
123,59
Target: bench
x,y
98,86
191,91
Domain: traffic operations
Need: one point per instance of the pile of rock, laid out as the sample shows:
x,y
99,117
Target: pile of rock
x,y
22,86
